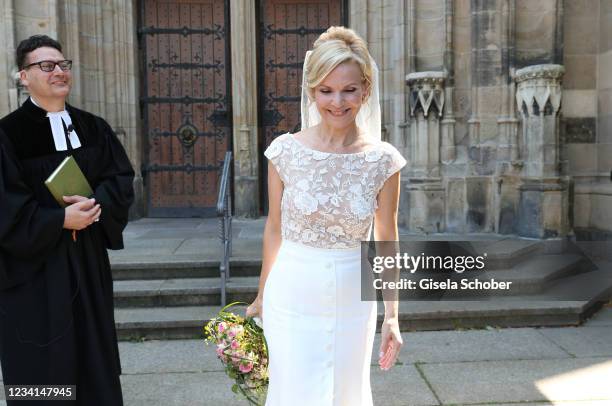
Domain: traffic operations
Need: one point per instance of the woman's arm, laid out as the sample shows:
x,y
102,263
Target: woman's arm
x,y
385,229
271,237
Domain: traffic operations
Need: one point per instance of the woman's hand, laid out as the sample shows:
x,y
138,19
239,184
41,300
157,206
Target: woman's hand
x,y
255,309
391,343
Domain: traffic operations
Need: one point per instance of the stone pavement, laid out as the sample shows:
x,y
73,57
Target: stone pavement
x,y
156,239
530,366
159,240
550,366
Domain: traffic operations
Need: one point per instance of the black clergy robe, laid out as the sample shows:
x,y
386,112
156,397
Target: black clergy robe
x,y
56,295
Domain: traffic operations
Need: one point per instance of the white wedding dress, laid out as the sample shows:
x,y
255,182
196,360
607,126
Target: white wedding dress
x,y
319,332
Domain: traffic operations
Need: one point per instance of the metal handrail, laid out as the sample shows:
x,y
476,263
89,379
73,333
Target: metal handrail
x,y
224,212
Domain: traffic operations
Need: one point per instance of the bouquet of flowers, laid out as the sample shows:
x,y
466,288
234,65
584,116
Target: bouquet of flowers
x,y
242,348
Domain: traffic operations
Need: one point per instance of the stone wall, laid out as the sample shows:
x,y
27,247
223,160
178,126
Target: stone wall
x,y
587,112
538,39
581,31
601,206
8,90
604,87
580,85
483,162
487,150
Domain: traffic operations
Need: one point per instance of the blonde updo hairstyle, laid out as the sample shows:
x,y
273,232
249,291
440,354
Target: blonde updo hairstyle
x,y
334,47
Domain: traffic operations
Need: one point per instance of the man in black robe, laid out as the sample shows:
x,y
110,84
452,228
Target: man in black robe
x,y
56,295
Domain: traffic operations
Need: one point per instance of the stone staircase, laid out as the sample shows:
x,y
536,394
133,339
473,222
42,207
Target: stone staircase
x,y
174,299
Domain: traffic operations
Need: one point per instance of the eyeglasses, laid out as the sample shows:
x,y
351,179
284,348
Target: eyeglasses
x,y
49,66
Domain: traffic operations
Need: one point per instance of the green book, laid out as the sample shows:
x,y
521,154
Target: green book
x,y
68,180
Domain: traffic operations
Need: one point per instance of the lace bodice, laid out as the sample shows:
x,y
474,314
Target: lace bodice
x,y
329,199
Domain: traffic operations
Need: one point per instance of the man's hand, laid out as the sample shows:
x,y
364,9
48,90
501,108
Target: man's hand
x,y
81,212
75,199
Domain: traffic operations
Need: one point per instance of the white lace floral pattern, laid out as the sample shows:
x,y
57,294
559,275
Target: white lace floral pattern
x,y
329,199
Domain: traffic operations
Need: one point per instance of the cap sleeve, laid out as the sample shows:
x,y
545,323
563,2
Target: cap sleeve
x,y
274,153
395,160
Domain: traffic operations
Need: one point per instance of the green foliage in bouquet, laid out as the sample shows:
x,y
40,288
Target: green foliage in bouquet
x,y
242,348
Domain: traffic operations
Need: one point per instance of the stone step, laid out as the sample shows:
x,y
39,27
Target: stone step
x,y
501,254
528,277
535,271
591,285
595,285
506,253
188,322
163,268
183,291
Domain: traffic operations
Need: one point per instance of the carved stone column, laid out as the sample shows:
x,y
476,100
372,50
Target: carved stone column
x,y
8,83
244,89
101,37
426,111
507,123
447,149
538,98
448,122
425,190
543,207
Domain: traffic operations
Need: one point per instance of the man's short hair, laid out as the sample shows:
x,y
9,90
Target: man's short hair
x,y
30,44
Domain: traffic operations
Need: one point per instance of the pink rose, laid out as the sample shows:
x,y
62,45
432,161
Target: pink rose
x,y
235,345
235,331
245,367
221,327
220,351
237,356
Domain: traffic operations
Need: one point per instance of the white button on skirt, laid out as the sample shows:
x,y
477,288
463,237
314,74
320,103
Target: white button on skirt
x,y
319,331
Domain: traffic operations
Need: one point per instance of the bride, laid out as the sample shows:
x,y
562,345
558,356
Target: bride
x,y
326,185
